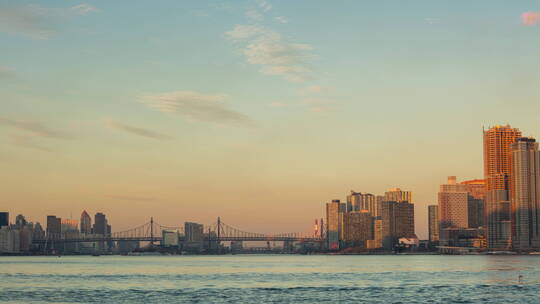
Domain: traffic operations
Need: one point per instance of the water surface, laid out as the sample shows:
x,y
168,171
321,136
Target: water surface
x,y
270,279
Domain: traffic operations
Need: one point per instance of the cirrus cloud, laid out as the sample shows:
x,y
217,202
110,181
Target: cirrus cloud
x,y
34,128
135,130
198,107
37,22
530,18
281,19
267,48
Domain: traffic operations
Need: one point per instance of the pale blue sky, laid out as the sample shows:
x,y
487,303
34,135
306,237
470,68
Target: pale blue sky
x,y
253,107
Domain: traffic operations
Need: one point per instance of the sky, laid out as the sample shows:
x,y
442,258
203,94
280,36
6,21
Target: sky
x,y
256,111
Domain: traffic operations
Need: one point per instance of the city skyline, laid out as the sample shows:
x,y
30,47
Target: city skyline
x,y
255,112
407,196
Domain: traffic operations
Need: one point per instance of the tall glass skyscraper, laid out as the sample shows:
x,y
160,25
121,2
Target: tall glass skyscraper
x,y
498,175
526,194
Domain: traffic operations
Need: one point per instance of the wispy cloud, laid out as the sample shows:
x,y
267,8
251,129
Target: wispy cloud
x,y
530,18
264,5
83,9
267,48
432,21
135,130
281,19
197,106
254,15
34,128
37,22
31,21
26,141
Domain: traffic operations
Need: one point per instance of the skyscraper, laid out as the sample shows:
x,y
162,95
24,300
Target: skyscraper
x,y
476,188
54,226
332,222
453,205
86,223
477,195
526,193
20,221
4,219
369,203
100,224
397,221
69,225
433,219
397,195
357,228
357,201
353,201
498,175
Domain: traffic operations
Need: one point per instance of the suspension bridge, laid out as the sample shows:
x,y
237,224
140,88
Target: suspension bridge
x,y
153,232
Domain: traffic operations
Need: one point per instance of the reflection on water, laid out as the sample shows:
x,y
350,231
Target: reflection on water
x,y
271,278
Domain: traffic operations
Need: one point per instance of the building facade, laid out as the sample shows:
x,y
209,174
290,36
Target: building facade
x,y
4,219
9,240
476,188
100,224
357,201
398,195
433,223
498,175
86,223
397,221
477,195
453,205
526,194
333,225
357,228
54,225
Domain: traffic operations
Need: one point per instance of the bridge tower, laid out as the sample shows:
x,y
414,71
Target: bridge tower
x,y
218,243
218,228
151,231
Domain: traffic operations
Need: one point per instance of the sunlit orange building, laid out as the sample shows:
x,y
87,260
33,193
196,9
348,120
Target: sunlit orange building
x,y
498,175
476,188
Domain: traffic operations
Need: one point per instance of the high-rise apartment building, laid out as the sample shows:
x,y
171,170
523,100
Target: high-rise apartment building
x,y
54,225
353,201
69,225
526,193
86,223
433,221
453,205
477,195
398,195
357,201
476,188
333,225
369,204
194,232
397,221
4,219
100,224
498,175
357,228
20,221
377,241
